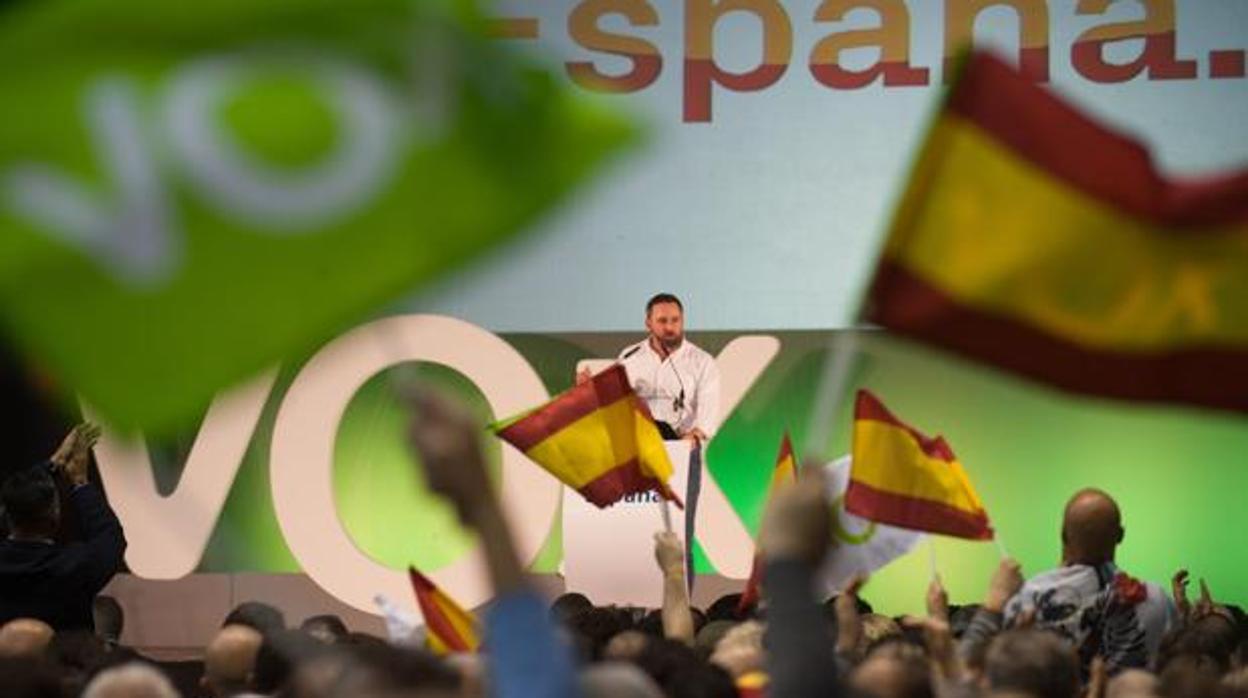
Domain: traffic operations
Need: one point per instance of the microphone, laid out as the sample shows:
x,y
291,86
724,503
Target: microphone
x,y
636,348
679,403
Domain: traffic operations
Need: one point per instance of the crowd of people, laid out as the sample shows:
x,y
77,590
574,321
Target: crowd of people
x,y
1086,628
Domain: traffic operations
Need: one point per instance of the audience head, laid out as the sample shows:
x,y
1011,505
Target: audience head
x,y
595,627
625,646
893,674
375,671
678,673
1091,528
279,655
26,678
617,680
230,661
260,616
740,651
31,505
1190,676
709,636
25,638
1132,683
725,608
78,655
1213,637
327,628
569,605
133,680
1034,662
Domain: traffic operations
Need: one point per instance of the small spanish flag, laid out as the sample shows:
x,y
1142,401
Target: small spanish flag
x,y
784,473
1032,238
450,628
903,478
597,438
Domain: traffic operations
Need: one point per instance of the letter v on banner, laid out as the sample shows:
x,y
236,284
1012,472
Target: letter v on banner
x,y
167,534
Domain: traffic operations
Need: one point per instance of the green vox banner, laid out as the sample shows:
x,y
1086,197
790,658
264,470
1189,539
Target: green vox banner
x,y
190,192
1177,473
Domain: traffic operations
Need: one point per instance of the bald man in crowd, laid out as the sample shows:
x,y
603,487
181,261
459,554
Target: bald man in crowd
x,y
230,661
1089,600
25,638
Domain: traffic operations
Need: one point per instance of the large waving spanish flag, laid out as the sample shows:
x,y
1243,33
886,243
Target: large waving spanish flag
x,y
450,629
597,438
784,473
903,478
1032,238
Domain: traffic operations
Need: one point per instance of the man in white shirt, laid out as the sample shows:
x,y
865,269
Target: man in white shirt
x,y
680,384
677,379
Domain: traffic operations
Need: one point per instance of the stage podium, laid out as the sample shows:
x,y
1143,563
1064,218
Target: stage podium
x,y
608,554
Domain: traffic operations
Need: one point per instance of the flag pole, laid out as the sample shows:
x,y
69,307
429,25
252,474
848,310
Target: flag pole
x,y
931,556
996,538
667,515
832,384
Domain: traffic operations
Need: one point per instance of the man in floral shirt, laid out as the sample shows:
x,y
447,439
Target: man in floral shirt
x,y
1088,600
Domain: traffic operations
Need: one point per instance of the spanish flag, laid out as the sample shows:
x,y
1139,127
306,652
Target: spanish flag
x,y
784,473
903,478
1035,239
450,628
597,438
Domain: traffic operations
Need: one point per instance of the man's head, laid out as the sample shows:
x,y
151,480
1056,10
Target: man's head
x,y
740,651
134,680
230,660
25,638
1034,662
30,502
617,680
665,320
258,615
886,677
1091,528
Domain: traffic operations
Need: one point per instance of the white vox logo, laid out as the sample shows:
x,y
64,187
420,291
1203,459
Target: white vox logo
x,y
131,223
168,534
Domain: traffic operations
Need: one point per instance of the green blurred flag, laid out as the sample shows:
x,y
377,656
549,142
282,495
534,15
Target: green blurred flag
x,y
192,191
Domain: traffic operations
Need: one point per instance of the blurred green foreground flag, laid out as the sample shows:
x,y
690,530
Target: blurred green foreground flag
x,y
192,191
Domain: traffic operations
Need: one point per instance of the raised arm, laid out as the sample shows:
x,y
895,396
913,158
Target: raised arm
x,y
526,660
795,537
677,618
104,539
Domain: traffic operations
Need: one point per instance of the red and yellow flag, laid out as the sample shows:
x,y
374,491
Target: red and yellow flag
x,y
784,473
450,629
1032,238
903,478
597,438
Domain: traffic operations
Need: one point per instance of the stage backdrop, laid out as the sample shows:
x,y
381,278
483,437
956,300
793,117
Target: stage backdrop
x,y
781,133
1178,474
780,136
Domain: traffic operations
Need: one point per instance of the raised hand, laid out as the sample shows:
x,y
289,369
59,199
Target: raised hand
x,y
1178,589
797,523
848,620
74,454
1005,583
447,439
669,553
937,600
